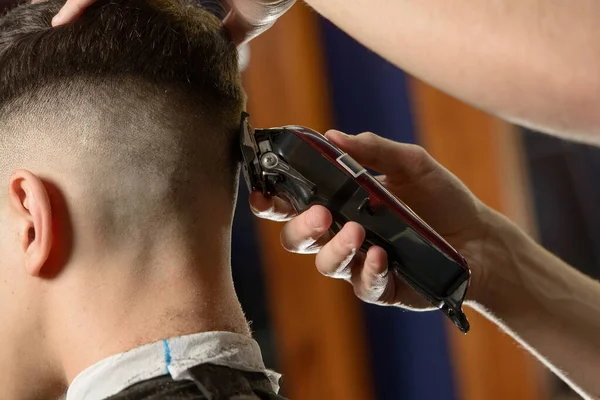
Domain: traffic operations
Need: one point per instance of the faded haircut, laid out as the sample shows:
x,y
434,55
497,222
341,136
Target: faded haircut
x,y
145,92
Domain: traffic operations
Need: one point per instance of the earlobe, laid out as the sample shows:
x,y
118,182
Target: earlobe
x,y
29,199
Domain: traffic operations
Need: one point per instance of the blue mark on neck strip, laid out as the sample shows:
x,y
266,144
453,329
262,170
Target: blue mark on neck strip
x,y
167,354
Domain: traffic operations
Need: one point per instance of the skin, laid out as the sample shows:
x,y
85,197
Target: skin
x,y
70,299
531,62
543,303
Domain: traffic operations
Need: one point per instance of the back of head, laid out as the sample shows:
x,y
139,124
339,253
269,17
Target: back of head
x,y
132,110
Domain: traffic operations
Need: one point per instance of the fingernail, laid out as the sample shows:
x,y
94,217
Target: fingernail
x,y
58,18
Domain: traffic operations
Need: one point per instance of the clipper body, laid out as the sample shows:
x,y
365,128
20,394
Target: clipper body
x,y
303,167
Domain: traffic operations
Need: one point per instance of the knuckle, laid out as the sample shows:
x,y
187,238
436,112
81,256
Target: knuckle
x,y
344,242
367,136
419,152
422,163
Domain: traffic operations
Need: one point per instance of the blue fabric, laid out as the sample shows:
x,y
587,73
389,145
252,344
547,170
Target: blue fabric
x,y
409,351
167,355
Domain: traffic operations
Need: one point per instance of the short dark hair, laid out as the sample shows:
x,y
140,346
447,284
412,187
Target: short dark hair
x,y
155,71
161,41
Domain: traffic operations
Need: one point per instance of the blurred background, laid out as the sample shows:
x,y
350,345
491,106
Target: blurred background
x,y
329,345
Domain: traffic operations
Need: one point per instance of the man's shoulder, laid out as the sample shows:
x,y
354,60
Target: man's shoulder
x,y
205,381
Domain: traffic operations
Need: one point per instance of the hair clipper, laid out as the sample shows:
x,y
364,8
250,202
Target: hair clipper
x,y
304,168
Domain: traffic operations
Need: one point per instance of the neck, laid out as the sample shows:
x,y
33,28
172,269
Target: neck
x,y
30,370
175,292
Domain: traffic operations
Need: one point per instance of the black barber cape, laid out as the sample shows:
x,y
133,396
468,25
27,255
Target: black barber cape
x,y
210,382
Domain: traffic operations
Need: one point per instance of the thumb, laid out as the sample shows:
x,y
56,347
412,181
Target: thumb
x,y
403,161
368,149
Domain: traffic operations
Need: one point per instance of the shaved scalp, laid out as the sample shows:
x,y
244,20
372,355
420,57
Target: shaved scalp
x,y
133,109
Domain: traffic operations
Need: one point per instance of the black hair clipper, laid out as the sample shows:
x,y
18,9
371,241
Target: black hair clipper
x,y
304,168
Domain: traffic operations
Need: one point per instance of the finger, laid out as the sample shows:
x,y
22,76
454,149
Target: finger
x,y
334,259
239,31
407,161
373,283
71,11
272,208
307,232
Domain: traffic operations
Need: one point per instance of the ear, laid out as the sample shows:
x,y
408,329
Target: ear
x,y
29,199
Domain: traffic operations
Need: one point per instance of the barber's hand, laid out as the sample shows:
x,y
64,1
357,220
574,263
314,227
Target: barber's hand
x,y
422,183
245,20
249,18
70,11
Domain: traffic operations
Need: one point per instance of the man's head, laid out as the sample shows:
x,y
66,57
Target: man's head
x,y
131,112
117,140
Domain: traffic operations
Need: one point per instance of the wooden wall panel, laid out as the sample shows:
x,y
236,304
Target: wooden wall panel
x,y
317,320
484,153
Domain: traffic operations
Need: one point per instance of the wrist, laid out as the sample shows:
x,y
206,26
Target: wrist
x,y
496,280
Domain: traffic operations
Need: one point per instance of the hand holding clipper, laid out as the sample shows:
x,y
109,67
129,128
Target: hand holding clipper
x,y
303,167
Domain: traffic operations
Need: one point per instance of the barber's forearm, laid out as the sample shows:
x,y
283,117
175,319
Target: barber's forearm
x,y
545,304
535,62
